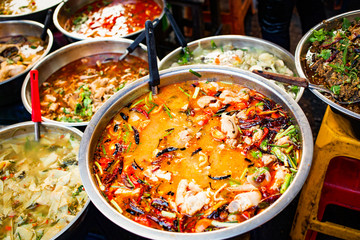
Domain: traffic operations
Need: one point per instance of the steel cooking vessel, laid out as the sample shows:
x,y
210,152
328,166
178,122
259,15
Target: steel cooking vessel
x,y
38,15
70,53
10,88
28,127
239,42
68,8
303,46
100,120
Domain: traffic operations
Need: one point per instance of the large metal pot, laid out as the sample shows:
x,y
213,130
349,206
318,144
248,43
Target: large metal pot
x,y
239,42
38,15
68,8
70,53
303,47
28,127
10,89
100,120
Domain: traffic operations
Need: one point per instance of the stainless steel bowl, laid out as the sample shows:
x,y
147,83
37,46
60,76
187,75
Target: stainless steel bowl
x,y
100,120
10,89
70,53
68,8
304,45
240,42
38,15
28,127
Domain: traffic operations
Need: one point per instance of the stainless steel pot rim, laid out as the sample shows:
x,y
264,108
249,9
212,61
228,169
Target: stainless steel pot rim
x,y
54,54
82,37
261,43
299,47
47,50
243,227
55,126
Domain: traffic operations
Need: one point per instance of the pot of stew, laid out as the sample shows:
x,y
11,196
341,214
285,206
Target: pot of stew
x,y
328,55
77,79
218,152
20,48
26,10
84,19
241,52
42,193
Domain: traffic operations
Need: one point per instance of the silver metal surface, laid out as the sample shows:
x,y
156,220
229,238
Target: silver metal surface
x,y
28,128
70,53
240,42
102,117
42,7
304,45
10,88
37,131
68,8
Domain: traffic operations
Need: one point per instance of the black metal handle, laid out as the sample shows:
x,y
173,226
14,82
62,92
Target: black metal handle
x,y
140,38
150,42
46,24
176,28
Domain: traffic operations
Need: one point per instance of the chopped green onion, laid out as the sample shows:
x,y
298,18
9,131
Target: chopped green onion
x,y
128,149
280,134
195,73
223,224
287,181
238,127
99,167
103,149
229,83
184,92
168,214
116,206
289,149
233,182
132,106
151,109
279,154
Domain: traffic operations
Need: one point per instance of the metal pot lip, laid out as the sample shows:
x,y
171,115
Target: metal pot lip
x,y
55,126
299,68
80,37
54,54
16,16
47,49
239,38
274,209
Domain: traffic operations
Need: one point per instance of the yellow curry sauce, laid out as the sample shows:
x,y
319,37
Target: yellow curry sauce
x,y
196,157
77,90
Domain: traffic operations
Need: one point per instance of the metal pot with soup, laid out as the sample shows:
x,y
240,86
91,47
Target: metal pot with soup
x,y
216,153
20,48
242,52
42,196
73,87
26,9
86,19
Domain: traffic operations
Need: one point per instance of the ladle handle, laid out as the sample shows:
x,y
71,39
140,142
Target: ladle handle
x,y
46,25
153,68
35,99
298,81
140,38
176,28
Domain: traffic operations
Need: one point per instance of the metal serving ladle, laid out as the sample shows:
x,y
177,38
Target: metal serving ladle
x,y
35,103
302,82
152,57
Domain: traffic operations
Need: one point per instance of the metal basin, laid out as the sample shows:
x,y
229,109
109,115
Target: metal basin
x,y
28,127
38,15
70,53
303,47
100,120
68,8
239,42
10,89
